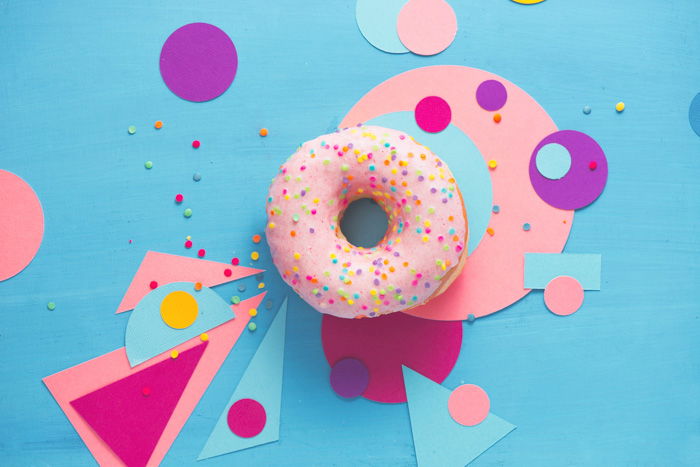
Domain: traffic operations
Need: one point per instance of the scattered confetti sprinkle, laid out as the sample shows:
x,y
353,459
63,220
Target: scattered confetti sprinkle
x,y
131,129
496,209
148,164
51,306
492,164
526,227
620,106
227,272
253,312
268,304
197,286
174,354
153,285
241,288
235,261
263,131
187,213
235,299
586,109
188,244
196,176
201,253
196,144
471,317
179,198
158,125
146,391
252,326
204,337
490,231
593,165
497,118
261,285
256,238
254,256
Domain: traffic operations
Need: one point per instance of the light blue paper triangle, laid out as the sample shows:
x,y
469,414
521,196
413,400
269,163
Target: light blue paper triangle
x,y
262,381
437,438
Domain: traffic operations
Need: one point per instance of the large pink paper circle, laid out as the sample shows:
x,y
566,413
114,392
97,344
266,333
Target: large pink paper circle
x,y
427,27
246,418
386,343
21,224
198,62
492,278
468,405
563,295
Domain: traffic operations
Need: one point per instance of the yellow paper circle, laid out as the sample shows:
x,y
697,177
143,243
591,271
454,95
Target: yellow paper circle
x,y
528,2
179,309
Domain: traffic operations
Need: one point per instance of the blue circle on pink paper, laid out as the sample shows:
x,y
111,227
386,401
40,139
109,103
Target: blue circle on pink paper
x,y
198,62
585,179
553,161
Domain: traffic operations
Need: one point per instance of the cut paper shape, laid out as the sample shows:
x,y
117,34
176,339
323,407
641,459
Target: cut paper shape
x,y
89,376
246,418
528,2
377,22
349,378
491,95
148,336
22,224
465,161
427,27
131,414
262,382
583,182
433,114
563,295
553,161
468,405
198,62
164,268
491,279
694,114
179,309
438,440
386,342
540,268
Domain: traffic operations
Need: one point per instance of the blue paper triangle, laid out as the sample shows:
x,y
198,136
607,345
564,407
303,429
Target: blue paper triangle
x,y
437,438
262,381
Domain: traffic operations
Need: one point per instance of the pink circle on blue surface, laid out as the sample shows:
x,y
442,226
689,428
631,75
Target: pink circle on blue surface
x,y
469,405
246,418
491,95
581,185
198,62
563,295
349,377
433,114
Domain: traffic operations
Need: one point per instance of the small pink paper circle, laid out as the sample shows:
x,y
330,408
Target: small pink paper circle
x,y
469,405
246,418
21,224
426,27
433,114
563,295
198,62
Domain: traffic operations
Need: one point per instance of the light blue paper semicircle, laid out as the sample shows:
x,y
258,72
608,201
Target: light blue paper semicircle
x,y
147,335
465,161
377,22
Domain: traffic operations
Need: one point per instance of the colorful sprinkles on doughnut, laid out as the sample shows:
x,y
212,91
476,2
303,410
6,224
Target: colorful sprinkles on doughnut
x,y
419,256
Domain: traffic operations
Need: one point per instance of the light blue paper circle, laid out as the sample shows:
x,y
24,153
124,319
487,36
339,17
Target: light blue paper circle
x,y
377,22
553,161
694,114
464,160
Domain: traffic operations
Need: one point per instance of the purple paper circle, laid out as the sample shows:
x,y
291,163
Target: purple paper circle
x,y
349,377
433,114
491,95
198,62
581,185
246,418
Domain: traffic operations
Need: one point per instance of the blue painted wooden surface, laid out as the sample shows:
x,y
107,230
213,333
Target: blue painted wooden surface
x,y
615,384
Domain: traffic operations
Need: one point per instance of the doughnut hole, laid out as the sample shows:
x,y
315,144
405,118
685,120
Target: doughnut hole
x,y
364,223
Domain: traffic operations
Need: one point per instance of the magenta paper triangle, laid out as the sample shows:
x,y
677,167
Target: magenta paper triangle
x,y
164,268
131,413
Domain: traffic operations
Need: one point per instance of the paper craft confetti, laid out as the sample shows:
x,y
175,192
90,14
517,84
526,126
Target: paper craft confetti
x,y
540,268
563,295
21,224
694,114
377,22
438,439
252,415
427,27
349,377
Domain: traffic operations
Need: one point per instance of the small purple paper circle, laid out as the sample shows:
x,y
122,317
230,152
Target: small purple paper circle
x,y
349,377
433,114
491,95
198,62
581,185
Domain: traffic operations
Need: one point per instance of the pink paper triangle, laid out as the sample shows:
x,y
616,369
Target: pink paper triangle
x,y
164,268
131,414
89,376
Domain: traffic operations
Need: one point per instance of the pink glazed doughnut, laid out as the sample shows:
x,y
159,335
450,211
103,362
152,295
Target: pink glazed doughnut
x,y
423,250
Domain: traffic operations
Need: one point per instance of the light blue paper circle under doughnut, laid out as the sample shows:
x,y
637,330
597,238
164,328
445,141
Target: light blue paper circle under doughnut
x,y
465,161
553,161
377,22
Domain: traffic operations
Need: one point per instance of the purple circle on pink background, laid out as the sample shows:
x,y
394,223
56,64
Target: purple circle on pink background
x,y
581,185
246,418
198,62
491,95
433,114
349,377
